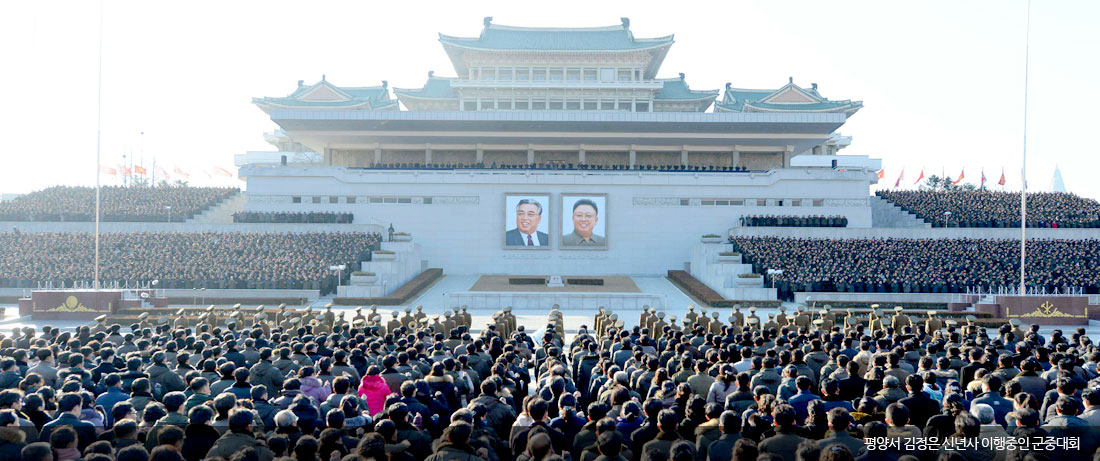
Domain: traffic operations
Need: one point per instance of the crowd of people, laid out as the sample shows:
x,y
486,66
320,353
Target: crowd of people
x,y
985,208
557,166
316,387
919,265
793,221
184,260
313,217
117,203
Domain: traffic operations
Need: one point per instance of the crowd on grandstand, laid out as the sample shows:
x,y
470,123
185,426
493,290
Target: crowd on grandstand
x,y
117,203
318,388
314,217
556,166
985,208
183,260
920,265
793,221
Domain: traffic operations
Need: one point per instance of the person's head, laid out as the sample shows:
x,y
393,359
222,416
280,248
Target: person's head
x,y
165,453
745,450
967,425
1026,417
70,403
897,415
285,418
38,451
528,215
173,402
63,437
983,412
133,453
682,450
809,451
459,433
200,414
667,421
585,217
240,421
610,443
839,419
729,422
171,436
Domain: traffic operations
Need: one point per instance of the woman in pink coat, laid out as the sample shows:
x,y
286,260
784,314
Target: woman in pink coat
x,y
374,390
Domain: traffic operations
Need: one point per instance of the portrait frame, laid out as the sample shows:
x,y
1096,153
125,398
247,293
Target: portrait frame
x,y
601,229
511,199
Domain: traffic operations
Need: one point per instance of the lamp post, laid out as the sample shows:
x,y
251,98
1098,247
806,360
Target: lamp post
x,y
169,208
947,219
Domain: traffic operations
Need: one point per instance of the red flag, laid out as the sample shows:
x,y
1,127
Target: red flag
x,y
881,173
919,178
983,178
179,172
962,175
900,177
125,171
1002,181
222,172
107,170
138,169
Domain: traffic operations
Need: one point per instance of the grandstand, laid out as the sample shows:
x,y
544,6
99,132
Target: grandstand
x,y
993,209
117,203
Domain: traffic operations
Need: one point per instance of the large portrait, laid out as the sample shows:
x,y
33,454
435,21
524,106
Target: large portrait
x,y
527,221
584,221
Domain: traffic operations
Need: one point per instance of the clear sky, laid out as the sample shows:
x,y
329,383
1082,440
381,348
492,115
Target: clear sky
x,y
941,81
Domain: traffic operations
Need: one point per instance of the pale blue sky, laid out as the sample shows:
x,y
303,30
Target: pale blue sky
x,y
941,81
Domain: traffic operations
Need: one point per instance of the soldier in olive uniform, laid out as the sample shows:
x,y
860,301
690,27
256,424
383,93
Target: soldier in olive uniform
x,y
752,315
691,316
703,320
328,318
261,321
715,324
359,318
738,321
672,323
420,313
281,315
781,317
180,322
826,321
394,324
408,320
448,323
1016,331
467,319
659,326
770,323
876,321
643,319
933,323
899,320
211,317
802,319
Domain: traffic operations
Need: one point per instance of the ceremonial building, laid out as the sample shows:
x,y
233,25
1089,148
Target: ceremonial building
x,y
560,150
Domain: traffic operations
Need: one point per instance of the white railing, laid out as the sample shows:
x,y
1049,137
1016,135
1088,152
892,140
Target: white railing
x,y
1012,290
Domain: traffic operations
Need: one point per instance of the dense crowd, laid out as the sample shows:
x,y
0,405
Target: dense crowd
x,y
920,265
985,208
793,221
117,203
557,166
313,217
183,260
318,388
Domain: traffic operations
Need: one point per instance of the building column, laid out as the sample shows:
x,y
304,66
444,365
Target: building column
x,y
735,158
427,155
530,156
787,154
684,157
328,156
480,155
580,156
633,158
377,155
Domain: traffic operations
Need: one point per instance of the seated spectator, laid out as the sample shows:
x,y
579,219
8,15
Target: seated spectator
x,y
984,208
117,203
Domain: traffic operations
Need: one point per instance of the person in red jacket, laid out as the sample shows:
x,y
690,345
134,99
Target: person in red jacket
x,y
374,390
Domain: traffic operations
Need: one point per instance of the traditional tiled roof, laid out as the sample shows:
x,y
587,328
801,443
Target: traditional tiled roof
x,y
434,88
611,38
325,95
789,98
677,89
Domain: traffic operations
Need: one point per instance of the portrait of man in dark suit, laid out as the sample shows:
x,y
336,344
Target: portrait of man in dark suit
x,y
528,215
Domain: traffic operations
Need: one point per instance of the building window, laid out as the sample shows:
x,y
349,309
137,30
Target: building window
x,y
488,73
641,106
708,202
590,75
722,202
796,202
504,105
523,75
539,74
607,104
350,199
316,199
819,203
333,199
538,104
590,104
389,200
469,105
376,199
555,75
506,74
573,75
488,104
295,200
737,203
625,75
685,202
573,104
427,200
404,200
607,75
523,105
555,104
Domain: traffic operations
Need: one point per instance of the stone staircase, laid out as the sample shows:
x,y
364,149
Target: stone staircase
x,y
886,214
724,273
222,213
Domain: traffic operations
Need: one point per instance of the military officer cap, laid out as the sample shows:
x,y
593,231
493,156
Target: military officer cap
x,y
309,309
819,322
851,321
456,308
295,320
752,309
672,318
260,309
1014,322
931,313
394,314
754,319
600,309
261,316
827,307
737,306
282,306
732,317
328,306
419,307
101,319
660,315
496,315
143,316
691,307
164,320
463,308
376,317
614,317
782,308
210,308
880,312
951,322
714,314
359,309
425,319
823,312
874,306
971,318
508,309
373,307
645,307
897,308
179,313
408,309
447,314
237,306
619,324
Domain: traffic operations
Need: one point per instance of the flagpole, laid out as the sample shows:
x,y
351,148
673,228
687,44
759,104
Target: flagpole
x,y
1023,169
98,139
